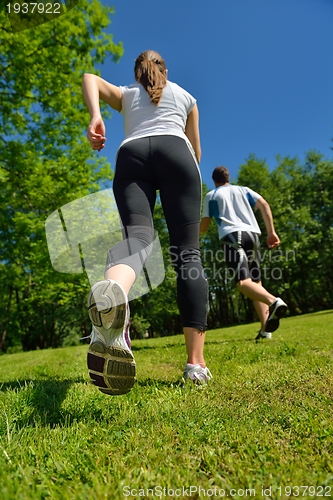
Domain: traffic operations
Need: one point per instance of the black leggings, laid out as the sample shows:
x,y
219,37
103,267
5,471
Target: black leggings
x,y
163,163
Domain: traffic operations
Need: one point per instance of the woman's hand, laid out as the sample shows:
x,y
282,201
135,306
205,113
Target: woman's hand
x,y
96,133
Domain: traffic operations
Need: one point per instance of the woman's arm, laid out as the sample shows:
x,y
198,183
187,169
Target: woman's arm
x,y
192,131
204,224
95,88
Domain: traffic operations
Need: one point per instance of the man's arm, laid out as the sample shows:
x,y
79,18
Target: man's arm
x,y
272,238
204,224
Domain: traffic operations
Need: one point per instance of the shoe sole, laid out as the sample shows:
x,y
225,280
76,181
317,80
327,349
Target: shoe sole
x,y
273,322
258,337
111,367
101,307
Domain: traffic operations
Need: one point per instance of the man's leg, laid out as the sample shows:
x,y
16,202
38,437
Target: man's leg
x,y
255,291
262,312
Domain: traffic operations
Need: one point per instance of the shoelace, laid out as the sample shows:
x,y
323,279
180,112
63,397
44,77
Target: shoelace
x,y
85,338
203,374
206,374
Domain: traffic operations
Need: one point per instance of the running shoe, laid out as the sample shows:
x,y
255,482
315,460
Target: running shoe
x,y
276,311
198,375
263,335
110,360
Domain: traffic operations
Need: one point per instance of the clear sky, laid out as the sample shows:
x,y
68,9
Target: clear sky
x,y
261,71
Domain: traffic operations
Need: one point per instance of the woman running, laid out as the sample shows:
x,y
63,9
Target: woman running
x,y
161,152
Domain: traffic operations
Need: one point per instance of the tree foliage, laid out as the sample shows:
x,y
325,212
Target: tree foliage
x,y
300,196
300,270
45,163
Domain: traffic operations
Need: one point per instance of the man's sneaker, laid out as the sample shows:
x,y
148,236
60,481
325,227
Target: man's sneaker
x,y
263,335
197,374
276,311
110,360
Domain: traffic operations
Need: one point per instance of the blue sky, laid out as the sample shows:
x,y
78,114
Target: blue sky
x,y
261,71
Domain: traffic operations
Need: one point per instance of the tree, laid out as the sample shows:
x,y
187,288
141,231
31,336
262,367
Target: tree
x,y
301,269
222,308
306,222
45,163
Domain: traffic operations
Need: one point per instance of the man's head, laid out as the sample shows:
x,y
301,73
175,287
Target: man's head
x,y
221,176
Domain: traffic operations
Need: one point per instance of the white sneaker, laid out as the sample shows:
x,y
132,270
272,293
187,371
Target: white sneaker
x,y
263,335
110,360
197,374
276,311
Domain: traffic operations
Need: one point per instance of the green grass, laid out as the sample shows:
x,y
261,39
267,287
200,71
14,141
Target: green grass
x,y
264,421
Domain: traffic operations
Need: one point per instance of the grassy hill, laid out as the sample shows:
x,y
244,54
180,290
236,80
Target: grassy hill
x,y
264,425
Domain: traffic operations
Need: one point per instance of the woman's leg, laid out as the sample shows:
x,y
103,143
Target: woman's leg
x,y
194,341
110,359
135,195
180,190
123,274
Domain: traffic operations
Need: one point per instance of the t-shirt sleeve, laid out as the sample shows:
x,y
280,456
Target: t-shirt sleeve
x,y
123,92
191,101
187,99
252,196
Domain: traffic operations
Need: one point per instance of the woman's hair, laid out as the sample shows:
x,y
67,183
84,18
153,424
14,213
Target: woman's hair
x,y
221,175
150,71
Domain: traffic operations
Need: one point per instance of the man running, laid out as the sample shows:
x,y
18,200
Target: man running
x,y
232,207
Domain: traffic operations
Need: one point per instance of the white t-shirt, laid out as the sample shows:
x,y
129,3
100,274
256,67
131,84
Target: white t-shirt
x,y
142,118
232,208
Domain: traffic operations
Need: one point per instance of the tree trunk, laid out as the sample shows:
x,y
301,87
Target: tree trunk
x,y
4,333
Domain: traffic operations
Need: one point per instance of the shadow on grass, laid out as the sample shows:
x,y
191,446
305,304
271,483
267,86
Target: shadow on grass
x,y
44,399
230,341
158,384
36,403
143,348
208,341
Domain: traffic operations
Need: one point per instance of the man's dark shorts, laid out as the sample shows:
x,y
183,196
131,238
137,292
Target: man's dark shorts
x,y
242,254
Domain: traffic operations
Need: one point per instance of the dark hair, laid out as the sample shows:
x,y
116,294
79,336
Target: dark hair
x,y
221,175
150,71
